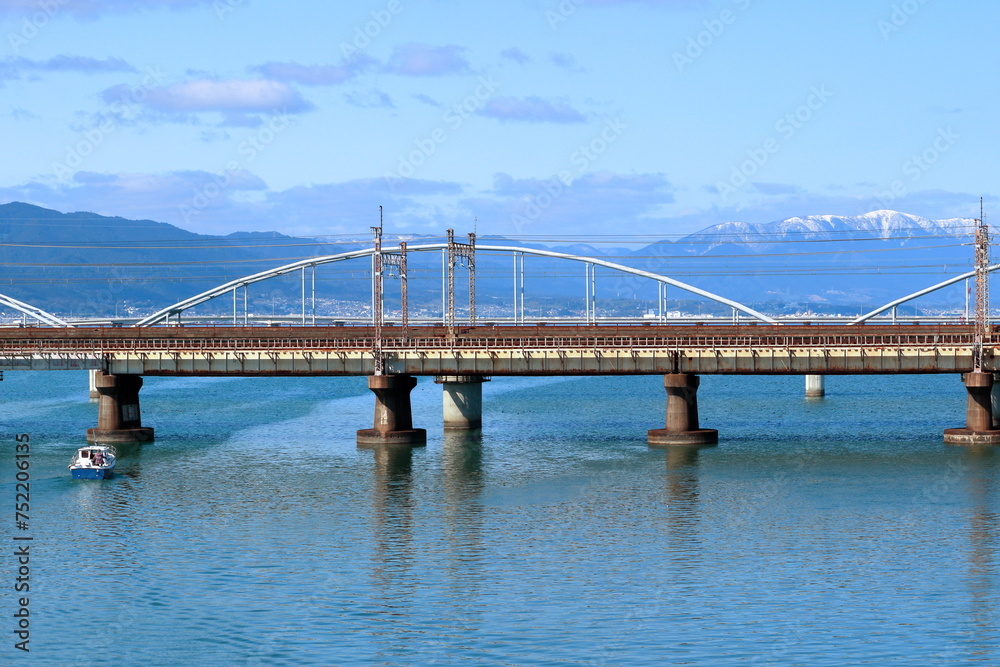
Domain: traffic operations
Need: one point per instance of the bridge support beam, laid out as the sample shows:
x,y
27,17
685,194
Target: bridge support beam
x,y
462,400
978,414
119,420
815,386
682,414
393,418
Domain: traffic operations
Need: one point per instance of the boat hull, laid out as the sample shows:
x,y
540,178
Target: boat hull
x,y
92,473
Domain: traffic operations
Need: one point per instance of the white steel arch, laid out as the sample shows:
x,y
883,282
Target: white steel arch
x,y
927,290
32,311
226,288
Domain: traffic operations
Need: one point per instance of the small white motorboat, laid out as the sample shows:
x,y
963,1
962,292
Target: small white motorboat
x,y
94,462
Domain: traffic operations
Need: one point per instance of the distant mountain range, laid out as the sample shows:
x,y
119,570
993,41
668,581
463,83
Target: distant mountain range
x,y
849,261
88,264
891,226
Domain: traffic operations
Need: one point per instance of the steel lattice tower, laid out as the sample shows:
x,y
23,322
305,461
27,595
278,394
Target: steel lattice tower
x,y
982,246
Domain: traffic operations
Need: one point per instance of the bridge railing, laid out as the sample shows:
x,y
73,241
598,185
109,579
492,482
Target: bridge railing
x,y
208,344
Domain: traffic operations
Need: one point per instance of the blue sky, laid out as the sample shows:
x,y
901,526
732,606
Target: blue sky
x,y
541,118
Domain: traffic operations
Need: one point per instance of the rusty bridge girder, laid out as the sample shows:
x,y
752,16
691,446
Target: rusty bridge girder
x,y
501,350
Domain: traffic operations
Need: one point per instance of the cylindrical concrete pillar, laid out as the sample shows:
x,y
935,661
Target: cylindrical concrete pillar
x,y
978,414
94,394
393,422
462,401
979,406
682,414
108,409
682,402
815,386
995,401
119,419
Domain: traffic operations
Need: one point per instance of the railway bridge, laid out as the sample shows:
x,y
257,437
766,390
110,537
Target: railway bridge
x,y
461,355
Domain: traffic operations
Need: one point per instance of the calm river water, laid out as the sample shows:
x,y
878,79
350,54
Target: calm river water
x,y
254,532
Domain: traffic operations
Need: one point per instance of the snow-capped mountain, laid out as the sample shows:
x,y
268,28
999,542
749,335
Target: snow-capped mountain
x,y
888,226
821,258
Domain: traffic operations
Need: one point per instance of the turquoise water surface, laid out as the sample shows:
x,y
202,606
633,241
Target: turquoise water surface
x,y
255,532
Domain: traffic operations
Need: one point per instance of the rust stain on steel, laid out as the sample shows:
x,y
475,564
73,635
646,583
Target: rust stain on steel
x,y
613,349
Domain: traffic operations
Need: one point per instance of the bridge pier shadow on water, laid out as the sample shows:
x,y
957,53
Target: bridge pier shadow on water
x,y
681,496
395,507
981,464
393,514
463,513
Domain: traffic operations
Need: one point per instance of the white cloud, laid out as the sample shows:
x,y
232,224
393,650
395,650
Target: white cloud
x,y
248,95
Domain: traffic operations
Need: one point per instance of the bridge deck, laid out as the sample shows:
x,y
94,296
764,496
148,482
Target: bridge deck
x,y
499,350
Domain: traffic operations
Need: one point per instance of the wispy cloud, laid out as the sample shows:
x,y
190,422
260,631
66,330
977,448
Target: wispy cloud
x,y
246,204
777,189
20,113
425,60
531,110
315,75
94,8
595,202
371,99
566,62
228,95
672,4
144,196
14,68
516,55
307,208
428,100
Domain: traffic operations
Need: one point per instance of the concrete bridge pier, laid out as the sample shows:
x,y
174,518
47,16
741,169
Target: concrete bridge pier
x,y
815,386
119,420
393,418
94,394
978,414
995,400
682,414
462,401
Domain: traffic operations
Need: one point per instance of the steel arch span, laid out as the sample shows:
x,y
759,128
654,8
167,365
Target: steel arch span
x,y
32,311
231,286
916,295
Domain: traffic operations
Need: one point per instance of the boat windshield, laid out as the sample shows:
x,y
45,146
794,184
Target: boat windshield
x,y
97,456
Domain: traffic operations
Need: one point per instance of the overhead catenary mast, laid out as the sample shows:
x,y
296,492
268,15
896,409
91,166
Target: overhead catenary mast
x,y
377,297
982,246
460,253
